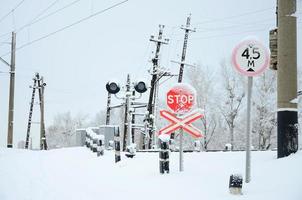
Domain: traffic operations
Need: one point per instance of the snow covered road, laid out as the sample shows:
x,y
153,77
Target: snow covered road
x,y
78,174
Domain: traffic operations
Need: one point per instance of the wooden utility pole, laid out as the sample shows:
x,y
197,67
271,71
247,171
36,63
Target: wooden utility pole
x,y
133,121
10,126
187,29
30,113
287,78
126,119
182,63
154,83
108,109
40,85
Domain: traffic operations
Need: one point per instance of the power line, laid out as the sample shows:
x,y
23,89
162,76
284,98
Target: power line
x,y
6,15
68,26
56,11
239,25
234,16
204,30
39,15
35,20
224,35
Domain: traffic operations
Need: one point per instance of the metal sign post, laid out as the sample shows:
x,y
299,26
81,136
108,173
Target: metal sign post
x,y
250,58
181,150
181,99
248,130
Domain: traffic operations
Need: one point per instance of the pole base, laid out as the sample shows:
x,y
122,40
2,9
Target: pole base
x,y
287,133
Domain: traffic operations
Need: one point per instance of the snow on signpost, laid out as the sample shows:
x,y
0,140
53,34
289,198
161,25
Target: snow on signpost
x,y
250,58
181,99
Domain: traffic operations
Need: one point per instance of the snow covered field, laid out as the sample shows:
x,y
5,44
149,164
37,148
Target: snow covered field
x,y
77,173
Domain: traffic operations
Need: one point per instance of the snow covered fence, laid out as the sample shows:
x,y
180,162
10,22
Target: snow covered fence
x,y
95,141
164,153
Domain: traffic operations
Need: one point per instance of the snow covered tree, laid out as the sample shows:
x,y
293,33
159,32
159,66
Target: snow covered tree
x,y
264,104
59,134
202,80
99,118
233,86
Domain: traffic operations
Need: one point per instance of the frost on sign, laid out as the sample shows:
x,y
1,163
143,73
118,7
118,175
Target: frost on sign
x,y
250,58
181,98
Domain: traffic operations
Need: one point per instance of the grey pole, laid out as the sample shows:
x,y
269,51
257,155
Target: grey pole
x,y
129,118
10,126
108,109
126,128
248,131
287,116
41,86
181,151
180,75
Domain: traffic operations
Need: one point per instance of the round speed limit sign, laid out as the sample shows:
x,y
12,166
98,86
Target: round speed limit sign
x,y
250,58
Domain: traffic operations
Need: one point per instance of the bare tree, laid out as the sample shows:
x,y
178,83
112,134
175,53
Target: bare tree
x,y
99,118
264,104
202,80
60,133
234,94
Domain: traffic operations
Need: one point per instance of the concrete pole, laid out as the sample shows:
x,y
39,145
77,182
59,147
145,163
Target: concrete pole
x,y
287,116
10,126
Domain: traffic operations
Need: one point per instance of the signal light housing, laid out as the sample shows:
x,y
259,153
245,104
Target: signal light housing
x,y
140,86
112,87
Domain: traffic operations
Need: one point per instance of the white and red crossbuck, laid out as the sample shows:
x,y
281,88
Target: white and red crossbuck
x,y
181,123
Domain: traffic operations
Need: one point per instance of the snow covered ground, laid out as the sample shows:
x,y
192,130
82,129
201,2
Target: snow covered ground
x,y
77,173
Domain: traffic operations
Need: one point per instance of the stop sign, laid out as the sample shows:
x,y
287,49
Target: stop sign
x,y
181,98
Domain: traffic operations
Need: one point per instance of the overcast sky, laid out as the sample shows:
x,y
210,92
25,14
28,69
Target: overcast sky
x,y
78,61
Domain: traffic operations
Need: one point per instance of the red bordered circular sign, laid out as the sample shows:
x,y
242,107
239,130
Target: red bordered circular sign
x,y
181,98
250,58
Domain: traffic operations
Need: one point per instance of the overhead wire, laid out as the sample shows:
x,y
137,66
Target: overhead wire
x,y
231,34
37,16
69,26
34,21
6,15
234,16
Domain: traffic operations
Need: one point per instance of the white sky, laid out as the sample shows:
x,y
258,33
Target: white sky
x,y
77,62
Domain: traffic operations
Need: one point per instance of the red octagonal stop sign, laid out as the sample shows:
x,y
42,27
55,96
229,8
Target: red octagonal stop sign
x,y
181,98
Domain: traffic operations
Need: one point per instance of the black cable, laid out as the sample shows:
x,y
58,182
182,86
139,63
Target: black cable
x,y
68,26
36,17
35,20
234,16
11,10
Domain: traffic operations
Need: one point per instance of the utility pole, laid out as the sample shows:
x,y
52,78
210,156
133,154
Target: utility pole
x,y
127,127
108,109
10,126
41,85
133,121
187,29
287,116
154,83
182,63
30,113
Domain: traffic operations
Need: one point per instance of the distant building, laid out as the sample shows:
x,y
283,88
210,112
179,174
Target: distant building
x,y
79,137
21,144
